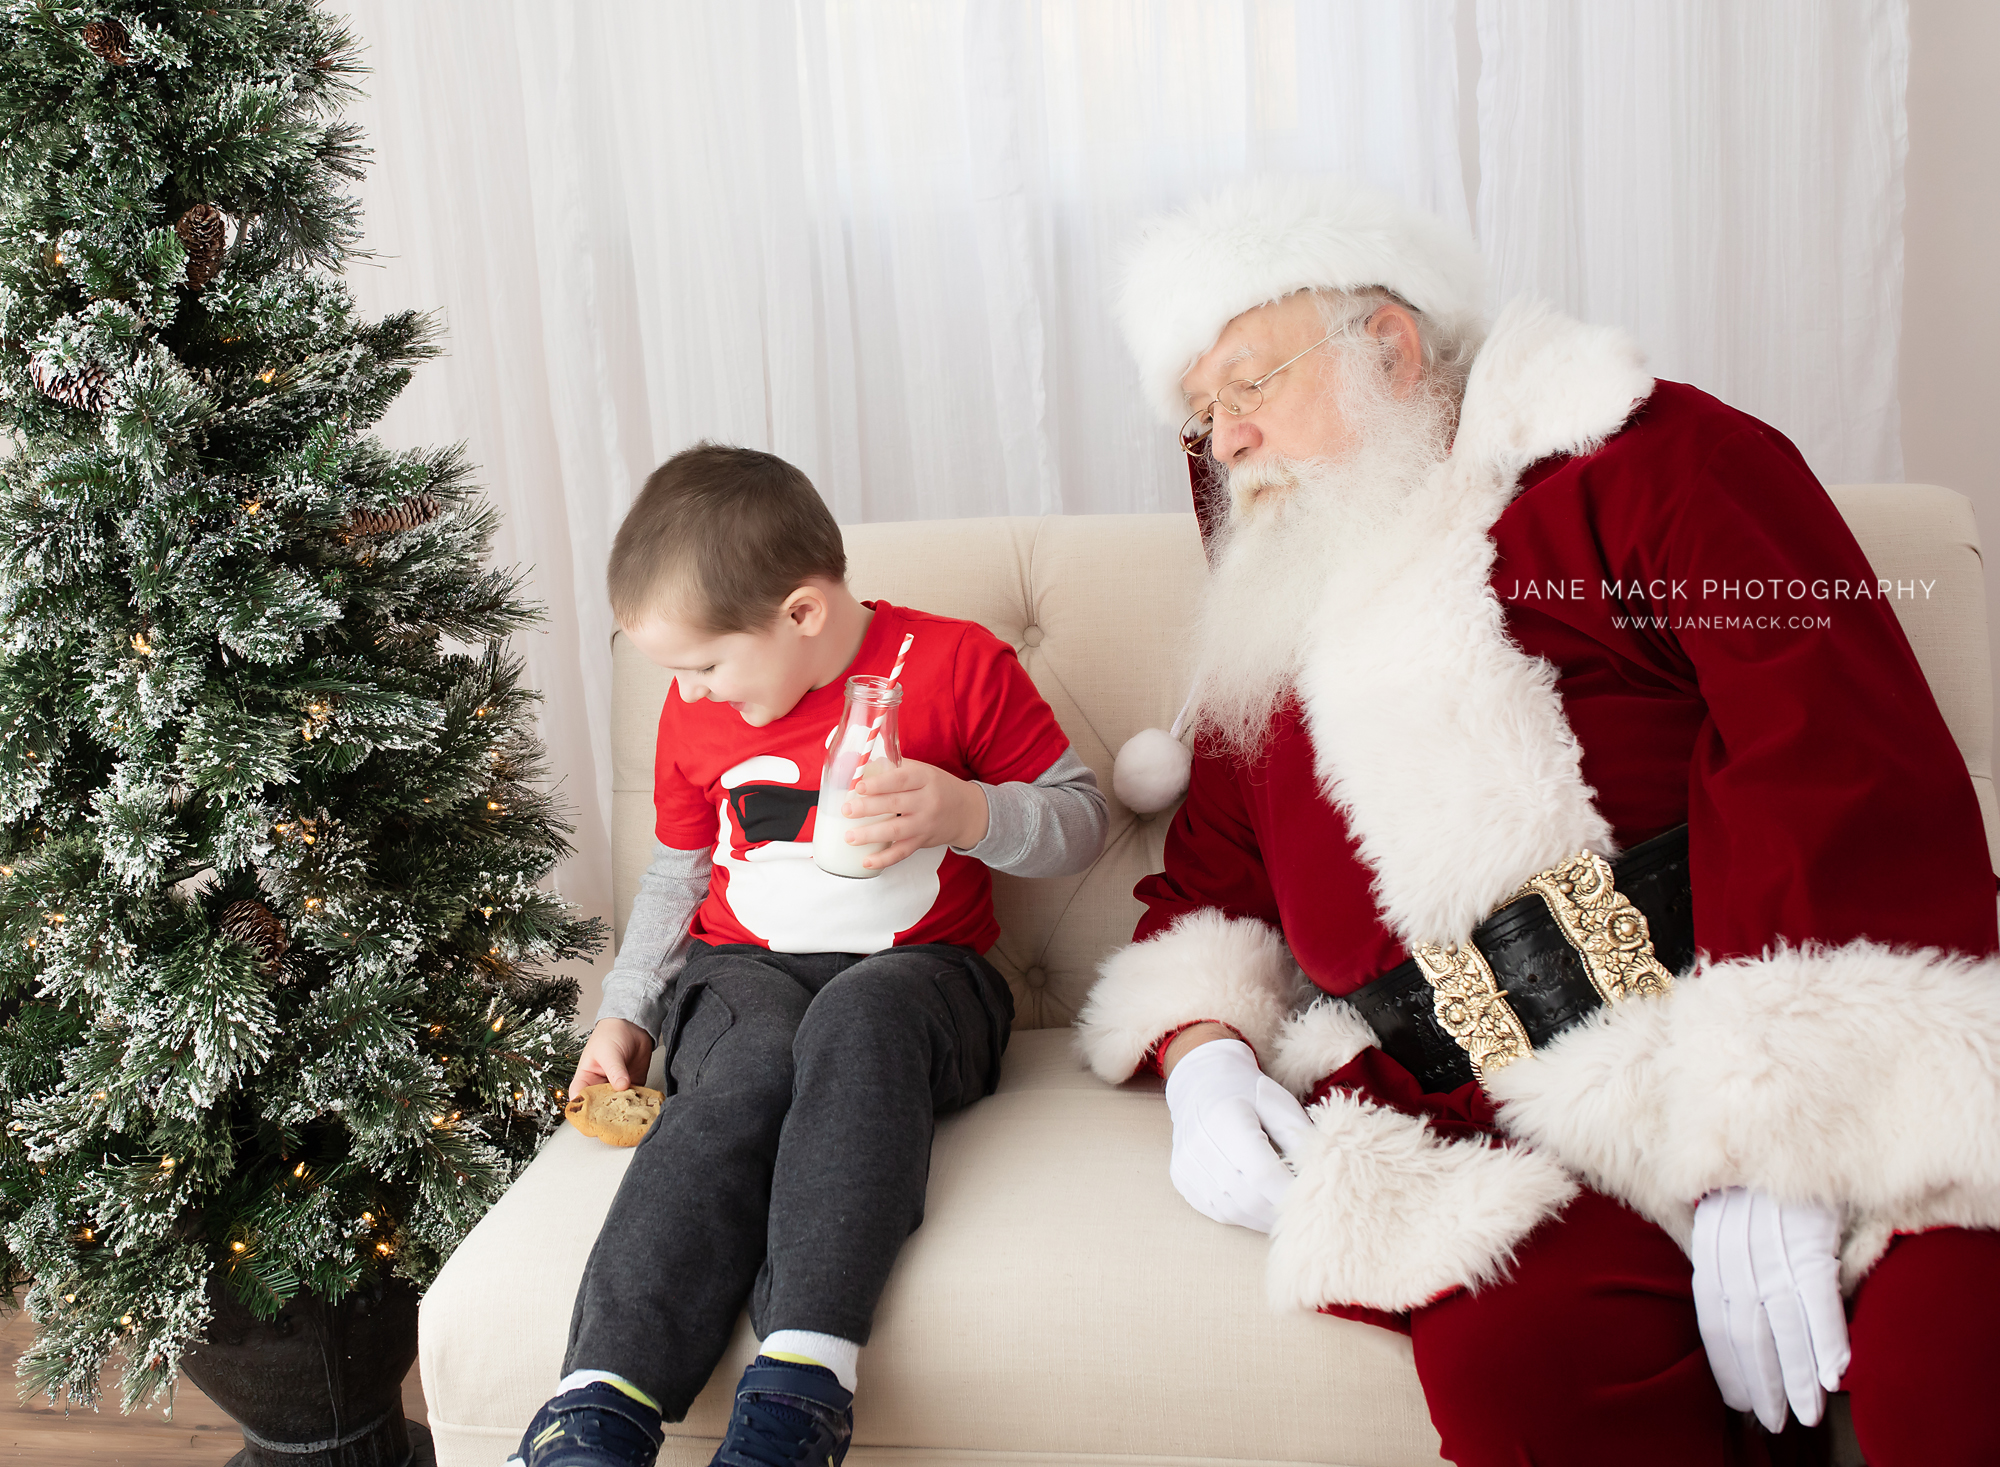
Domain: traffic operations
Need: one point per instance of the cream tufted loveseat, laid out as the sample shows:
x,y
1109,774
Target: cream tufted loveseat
x,y
1060,1303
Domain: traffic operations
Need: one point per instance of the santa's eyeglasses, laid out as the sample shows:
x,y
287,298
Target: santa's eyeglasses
x,y
1238,399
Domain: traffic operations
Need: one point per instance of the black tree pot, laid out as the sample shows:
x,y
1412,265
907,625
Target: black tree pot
x,y
319,1386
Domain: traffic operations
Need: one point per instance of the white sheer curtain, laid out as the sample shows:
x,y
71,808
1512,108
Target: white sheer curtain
x,y
1724,180
876,238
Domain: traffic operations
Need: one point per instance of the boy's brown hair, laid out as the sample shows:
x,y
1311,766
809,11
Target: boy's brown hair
x,y
721,536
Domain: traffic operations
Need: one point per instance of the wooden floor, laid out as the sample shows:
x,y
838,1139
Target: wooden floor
x,y
199,1435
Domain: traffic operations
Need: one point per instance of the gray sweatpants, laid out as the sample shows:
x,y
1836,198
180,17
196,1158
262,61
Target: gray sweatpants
x,y
790,1158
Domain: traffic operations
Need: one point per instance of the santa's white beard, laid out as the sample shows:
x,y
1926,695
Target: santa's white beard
x,y
1293,526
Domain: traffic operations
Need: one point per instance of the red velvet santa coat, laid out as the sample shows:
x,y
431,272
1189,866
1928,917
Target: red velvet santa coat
x,y
1494,694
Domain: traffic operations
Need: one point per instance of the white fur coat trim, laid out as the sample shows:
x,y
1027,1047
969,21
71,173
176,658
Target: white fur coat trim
x,y
1315,1042
1385,1213
1443,743
1206,966
1857,1076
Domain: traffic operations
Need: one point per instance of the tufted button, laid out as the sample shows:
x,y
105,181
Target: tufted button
x,y
1036,977
1031,636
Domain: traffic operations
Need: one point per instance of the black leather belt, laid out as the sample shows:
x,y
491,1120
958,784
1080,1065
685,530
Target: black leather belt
x,y
1439,1017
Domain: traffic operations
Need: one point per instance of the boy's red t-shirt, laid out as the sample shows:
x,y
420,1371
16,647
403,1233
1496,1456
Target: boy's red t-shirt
x,y
968,707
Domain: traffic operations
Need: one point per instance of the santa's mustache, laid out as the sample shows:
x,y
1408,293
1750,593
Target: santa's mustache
x,y
1270,480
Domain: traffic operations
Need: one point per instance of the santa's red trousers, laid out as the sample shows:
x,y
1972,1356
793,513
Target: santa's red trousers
x,y
1589,1352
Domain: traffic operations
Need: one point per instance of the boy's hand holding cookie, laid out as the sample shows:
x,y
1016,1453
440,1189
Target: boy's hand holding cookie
x,y
616,1054
921,806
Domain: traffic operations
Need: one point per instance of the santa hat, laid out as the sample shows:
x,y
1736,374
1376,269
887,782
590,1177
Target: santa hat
x,y
1194,272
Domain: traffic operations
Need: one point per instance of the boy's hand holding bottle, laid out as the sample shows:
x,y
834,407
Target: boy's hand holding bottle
x,y
921,806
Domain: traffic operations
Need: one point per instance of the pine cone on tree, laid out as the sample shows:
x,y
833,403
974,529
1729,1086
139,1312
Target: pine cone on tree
x,y
258,928
417,509
89,387
203,235
107,40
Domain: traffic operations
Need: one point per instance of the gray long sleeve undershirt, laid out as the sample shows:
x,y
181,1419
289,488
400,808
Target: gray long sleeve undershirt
x,y
1051,827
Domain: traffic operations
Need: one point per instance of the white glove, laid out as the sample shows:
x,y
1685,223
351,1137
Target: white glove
x,y
1767,1295
1224,1163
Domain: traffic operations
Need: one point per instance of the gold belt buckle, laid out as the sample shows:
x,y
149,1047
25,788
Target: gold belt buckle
x,y
1595,918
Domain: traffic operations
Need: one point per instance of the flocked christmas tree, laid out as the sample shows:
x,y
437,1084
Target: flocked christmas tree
x,y
276,1002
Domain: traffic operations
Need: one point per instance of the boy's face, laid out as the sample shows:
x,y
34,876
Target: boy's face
x,y
762,675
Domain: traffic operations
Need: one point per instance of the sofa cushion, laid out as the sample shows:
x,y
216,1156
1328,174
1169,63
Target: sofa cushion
x,y
1054,1254
1102,643
1099,607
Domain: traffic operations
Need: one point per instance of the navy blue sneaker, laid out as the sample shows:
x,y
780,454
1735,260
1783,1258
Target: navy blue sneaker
x,y
787,1415
597,1425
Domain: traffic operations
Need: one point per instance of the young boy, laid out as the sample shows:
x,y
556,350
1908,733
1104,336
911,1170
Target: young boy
x,y
814,1025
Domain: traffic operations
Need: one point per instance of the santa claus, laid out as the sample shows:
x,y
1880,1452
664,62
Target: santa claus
x,y
1552,736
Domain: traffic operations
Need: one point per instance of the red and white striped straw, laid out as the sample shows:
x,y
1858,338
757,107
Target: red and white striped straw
x,y
875,723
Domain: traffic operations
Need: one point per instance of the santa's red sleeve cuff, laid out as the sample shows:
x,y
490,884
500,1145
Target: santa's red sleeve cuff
x,y
1155,1061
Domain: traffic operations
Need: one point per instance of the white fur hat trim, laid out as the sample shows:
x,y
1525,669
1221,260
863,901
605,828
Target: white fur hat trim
x,y
1194,272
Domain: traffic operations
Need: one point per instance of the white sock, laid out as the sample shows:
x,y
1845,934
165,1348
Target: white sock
x,y
576,1380
842,1357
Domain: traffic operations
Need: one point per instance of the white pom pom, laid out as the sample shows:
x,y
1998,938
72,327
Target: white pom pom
x,y
1151,771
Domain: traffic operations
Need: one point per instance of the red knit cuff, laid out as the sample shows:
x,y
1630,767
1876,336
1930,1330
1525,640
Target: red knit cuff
x,y
1150,1065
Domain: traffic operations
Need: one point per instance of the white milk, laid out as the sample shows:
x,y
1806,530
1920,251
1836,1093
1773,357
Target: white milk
x,y
831,852
849,745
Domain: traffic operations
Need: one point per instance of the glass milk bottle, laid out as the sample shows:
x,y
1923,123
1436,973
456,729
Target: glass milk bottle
x,y
867,730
